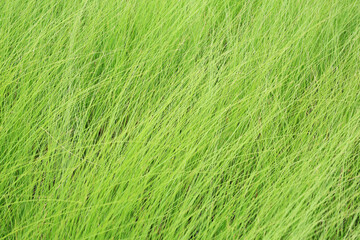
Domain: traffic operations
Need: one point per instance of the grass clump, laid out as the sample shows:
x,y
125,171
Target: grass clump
x,y
179,119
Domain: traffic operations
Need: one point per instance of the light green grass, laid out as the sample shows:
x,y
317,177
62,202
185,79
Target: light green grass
x,y
157,119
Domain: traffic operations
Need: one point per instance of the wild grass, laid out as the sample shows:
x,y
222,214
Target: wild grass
x,y
211,119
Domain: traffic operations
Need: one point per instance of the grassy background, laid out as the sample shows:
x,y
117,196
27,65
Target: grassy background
x,y
179,119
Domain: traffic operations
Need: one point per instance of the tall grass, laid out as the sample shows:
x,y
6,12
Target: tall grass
x,y
211,119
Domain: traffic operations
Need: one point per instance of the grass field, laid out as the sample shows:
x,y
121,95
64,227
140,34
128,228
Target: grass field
x,y
179,119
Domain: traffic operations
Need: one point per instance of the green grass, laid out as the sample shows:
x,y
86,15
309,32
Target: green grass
x,y
157,119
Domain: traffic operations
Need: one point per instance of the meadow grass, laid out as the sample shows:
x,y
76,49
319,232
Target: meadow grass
x,y
156,119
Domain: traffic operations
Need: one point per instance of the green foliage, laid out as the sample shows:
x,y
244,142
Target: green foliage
x,y
211,119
